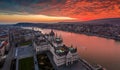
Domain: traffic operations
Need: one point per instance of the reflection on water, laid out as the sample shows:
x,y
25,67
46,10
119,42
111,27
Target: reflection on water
x,y
105,52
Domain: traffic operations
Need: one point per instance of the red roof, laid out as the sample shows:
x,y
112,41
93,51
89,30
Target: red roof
x,y
4,36
3,44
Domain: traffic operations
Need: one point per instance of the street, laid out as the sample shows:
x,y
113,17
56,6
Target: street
x,y
10,55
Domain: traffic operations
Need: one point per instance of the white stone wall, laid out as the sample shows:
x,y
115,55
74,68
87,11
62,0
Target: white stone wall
x,y
41,47
60,60
75,56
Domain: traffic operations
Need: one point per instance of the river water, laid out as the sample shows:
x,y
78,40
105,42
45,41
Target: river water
x,y
95,50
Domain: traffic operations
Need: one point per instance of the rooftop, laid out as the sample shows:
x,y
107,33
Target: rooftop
x,y
63,50
52,33
41,41
58,40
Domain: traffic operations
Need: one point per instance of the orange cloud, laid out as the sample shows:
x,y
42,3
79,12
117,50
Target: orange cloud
x,y
85,9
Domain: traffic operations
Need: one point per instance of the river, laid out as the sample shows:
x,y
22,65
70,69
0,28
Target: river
x,y
95,50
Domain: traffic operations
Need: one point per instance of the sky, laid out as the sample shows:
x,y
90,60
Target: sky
x,y
12,11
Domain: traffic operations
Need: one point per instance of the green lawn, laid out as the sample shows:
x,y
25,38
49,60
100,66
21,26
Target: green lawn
x,y
25,43
26,64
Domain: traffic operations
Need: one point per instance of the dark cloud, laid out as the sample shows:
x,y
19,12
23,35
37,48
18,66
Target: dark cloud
x,y
26,5
28,2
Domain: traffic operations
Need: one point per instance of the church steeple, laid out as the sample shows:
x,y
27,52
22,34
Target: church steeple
x,y
52,33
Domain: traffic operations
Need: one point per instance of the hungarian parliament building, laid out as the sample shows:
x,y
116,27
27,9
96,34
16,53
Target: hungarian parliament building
x,y
62,54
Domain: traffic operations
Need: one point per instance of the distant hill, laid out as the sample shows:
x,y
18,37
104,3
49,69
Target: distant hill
x,y
104,21
25,24
98,21
6,24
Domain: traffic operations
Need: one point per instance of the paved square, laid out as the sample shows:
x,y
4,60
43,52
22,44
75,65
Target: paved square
x,y
23,52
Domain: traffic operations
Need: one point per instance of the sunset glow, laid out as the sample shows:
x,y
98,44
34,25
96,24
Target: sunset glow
x,y
33,18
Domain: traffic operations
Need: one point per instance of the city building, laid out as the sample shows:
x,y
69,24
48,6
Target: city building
x,y
3,46
40,44
62,54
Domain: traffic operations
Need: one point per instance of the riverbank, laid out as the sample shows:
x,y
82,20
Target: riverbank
x,y
92,34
